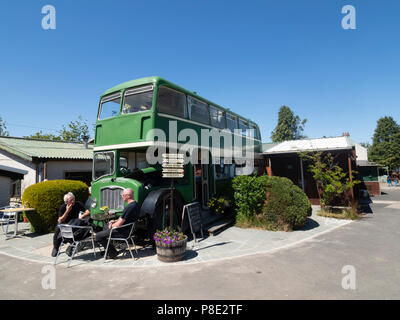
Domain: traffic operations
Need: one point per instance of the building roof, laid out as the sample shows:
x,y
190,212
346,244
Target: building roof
x,y
44,149
366,163
13,170
268,145
320,144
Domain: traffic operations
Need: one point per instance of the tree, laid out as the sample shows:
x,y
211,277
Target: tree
x,y
289,127
44,136
385,149
3,128
76,131
330,179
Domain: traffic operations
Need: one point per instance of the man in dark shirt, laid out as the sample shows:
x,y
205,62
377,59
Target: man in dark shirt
x,y
69,214
129,215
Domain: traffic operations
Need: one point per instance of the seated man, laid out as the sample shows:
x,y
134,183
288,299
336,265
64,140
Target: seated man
x,y
129,215
69,214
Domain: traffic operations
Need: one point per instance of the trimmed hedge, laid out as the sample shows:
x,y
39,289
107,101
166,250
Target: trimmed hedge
x,y
47,197
272,203
287,206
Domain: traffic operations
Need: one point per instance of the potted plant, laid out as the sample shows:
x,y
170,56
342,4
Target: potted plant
x,y
170,245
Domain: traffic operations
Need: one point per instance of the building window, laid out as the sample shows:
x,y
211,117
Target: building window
x,y
15,188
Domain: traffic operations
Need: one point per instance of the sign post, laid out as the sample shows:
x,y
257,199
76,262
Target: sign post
x,y
172,168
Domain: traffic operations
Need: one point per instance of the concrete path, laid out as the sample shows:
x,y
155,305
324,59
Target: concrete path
x,y
232,242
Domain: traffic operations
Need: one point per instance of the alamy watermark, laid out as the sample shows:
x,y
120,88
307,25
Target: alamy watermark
x,y
49,20
349,20
188,143
49,278
349,280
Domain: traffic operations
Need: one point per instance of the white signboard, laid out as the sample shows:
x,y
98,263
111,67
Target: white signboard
x,y
173,165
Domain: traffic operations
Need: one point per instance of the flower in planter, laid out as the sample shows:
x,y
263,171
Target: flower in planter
x,y
104,209
168,236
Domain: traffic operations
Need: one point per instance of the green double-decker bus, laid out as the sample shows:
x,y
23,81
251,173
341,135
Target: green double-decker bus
x,y
128,114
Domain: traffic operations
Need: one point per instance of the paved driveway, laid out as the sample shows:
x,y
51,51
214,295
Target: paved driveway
x,y
311,269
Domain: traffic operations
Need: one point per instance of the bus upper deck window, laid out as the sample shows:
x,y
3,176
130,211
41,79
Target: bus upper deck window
x,y
231,122
217,117
171,102
198,110
137,99
109,106
243,126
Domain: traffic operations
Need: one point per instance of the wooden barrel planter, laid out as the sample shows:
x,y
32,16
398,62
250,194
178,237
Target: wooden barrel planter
x,y
171,252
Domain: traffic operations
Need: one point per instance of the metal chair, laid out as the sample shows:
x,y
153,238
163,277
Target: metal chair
x,y
7,218
67,234
132,224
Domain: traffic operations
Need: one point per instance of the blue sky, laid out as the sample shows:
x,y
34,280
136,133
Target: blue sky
x,y
250,56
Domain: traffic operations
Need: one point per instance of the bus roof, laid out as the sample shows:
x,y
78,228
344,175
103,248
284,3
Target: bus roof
x,y
159,80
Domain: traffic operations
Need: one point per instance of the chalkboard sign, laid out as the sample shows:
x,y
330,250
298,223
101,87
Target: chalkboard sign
x,y
194,215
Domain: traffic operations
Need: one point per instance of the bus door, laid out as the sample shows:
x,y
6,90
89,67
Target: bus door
x,y
201,176
204,185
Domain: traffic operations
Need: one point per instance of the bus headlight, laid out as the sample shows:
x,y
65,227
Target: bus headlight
x,y
94,203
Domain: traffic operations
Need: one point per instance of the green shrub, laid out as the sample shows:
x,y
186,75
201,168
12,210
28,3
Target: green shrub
x,y
249,195
287,206
273,203
47,197
219,205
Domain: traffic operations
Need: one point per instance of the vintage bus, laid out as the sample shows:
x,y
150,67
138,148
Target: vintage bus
x,y
126,114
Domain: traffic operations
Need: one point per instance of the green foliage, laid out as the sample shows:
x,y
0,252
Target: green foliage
x,y
44,136
330,179
75,131
385,149
3,128
273,203
287,206
220,205
289,126
47,197
249,195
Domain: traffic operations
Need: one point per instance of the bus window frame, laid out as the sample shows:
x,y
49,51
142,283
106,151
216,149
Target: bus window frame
x,y
123,95
210,106
101,104
114,162
245,133
185,109
190,110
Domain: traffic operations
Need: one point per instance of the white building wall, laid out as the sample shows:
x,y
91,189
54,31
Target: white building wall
x,y
5,185
361,152
56,169
10,160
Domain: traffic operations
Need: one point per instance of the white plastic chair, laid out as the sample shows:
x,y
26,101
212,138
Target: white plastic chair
x,y
110,238
67,233
7,218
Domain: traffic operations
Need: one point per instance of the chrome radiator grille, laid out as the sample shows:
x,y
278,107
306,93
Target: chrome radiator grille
x,y
111,197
